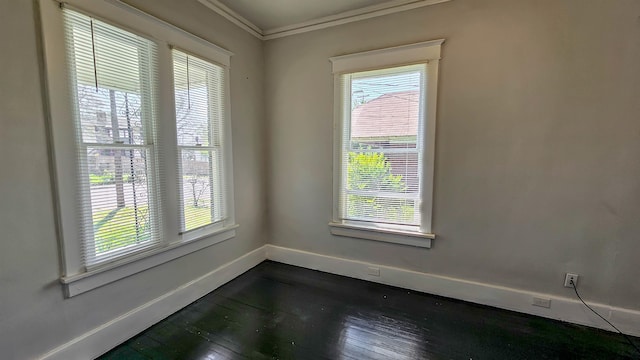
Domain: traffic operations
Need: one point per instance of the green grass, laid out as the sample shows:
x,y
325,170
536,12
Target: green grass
x,y
116,228
196,216
107,178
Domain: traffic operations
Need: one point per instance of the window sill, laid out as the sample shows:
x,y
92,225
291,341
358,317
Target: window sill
x,y
395,236
80,283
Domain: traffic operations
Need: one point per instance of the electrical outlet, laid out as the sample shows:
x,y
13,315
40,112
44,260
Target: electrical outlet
x,y
373,271
542,302
569,278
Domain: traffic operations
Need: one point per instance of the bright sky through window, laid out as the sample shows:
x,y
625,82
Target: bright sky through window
x,y
367,89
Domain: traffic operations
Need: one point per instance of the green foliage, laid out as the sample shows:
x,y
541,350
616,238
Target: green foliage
x,y
104,178
372,172
107,178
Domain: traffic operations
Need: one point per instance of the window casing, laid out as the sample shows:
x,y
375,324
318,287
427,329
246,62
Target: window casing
x,y
384,143
119,170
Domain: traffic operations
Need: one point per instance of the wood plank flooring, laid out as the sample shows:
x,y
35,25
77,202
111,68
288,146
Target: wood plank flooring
x,y
277,311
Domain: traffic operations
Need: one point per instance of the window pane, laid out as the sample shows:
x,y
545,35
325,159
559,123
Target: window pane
x,y
385,110
198,94
382,155
192,111
109,69
197,188
373,177
109,116
119,197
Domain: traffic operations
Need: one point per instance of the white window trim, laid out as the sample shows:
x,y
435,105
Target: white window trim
x,y
76,279
424,52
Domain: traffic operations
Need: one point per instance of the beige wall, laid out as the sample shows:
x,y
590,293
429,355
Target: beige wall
x,y
538,143
34,316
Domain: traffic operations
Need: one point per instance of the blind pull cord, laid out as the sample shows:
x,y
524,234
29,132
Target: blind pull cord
x,y
93,51
132,167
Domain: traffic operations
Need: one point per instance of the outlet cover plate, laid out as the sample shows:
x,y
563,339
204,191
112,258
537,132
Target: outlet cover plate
x,y
373,271
568,278
542,302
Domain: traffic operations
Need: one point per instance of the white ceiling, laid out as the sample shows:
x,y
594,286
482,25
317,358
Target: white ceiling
x,y
271,14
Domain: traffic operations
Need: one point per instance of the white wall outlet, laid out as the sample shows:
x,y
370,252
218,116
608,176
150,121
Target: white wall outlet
x,y
542,302
373,271
571,277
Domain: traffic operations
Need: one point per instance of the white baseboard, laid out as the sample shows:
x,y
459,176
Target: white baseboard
x,y
562,308
105,337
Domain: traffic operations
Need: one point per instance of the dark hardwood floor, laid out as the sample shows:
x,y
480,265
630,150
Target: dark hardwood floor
x,y
277,311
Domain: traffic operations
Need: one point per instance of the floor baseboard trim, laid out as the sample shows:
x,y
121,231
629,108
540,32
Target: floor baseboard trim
x,y
107,336
562,308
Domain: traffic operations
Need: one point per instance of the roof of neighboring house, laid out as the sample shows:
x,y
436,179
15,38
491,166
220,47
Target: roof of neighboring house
x,y
390,115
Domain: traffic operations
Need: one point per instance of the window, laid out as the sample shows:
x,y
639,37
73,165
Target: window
x,y
385,123
141,139
199,118
112,73
381,145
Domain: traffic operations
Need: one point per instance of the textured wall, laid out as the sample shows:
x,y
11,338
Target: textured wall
x,y
537,168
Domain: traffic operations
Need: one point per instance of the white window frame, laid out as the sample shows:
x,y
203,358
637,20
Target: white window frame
x,y
76,277
428,53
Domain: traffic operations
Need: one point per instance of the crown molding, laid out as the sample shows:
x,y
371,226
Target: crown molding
x,y
234,17
368,12
346,17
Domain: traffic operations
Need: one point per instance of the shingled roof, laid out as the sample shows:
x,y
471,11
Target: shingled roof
x,y
390,115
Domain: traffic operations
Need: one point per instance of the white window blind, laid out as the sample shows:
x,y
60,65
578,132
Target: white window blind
x,y
382,115
113,76
200,114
